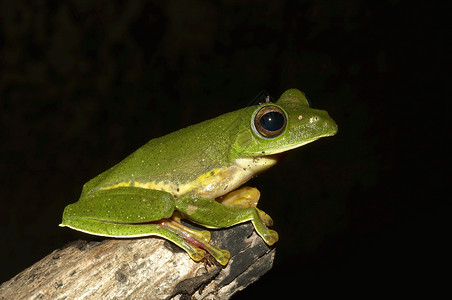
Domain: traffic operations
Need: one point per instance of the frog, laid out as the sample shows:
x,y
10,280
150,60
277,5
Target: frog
x,y
197,175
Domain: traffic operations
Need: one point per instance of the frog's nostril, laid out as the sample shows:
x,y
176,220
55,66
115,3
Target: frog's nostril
x,y
313,119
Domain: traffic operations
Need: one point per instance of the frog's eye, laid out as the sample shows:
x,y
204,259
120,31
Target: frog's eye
x,y
269,121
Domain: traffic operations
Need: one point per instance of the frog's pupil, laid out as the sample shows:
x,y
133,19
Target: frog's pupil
x,y
272,121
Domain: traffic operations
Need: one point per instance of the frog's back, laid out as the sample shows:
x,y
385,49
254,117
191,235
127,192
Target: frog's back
x,y
166,162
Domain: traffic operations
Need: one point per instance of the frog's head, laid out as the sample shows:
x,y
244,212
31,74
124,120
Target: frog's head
x,y
274,128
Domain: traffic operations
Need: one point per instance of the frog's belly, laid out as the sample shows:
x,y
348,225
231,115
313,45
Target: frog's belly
x,y
213,184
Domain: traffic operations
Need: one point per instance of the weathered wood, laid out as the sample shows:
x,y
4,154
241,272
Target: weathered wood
x,y
145,268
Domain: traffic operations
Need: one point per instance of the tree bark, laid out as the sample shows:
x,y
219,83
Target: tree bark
x,y
145,268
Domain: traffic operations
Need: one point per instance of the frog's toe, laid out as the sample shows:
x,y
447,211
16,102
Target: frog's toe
x,y
270,237
175,223
204,235
221,256
266,219
197,254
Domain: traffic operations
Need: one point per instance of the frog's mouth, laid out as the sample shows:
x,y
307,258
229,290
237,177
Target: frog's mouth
x,y
282,152
276,156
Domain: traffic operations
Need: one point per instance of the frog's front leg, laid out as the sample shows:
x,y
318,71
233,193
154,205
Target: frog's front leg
x,y
210,213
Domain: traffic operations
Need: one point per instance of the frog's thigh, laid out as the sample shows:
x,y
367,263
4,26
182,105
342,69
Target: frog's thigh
x,y
210,213
125,205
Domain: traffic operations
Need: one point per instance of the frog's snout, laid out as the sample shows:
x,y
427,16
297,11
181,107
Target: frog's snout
x,y
331,126
325,123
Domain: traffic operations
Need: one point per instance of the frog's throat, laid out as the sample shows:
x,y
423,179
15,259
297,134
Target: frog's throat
x,y
258,164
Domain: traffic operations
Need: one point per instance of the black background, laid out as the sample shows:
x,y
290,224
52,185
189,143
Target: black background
x,y
85,83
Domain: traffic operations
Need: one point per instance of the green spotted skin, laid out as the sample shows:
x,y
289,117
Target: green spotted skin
x,y
185,174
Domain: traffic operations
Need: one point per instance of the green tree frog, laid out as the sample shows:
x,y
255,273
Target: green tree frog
x,y
195,174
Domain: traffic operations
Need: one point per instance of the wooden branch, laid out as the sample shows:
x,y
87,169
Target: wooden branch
x,y
145,268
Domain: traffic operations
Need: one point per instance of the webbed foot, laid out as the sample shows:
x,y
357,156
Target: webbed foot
x,y
197,239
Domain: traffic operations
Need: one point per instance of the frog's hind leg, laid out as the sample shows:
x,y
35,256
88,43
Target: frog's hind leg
x,y
130,230
196,238
175,236
190,240
204,235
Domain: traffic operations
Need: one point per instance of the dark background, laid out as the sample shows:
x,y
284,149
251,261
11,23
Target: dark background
x,y
85,83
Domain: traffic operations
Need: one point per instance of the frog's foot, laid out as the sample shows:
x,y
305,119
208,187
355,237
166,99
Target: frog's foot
x,y
203,235
195,253
221,256
198,239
